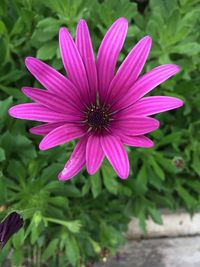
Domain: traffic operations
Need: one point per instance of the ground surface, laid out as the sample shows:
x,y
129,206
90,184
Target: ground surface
x,y
164,252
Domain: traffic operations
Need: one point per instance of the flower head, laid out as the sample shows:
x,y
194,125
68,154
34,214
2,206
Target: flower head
x,y
104,109
12,224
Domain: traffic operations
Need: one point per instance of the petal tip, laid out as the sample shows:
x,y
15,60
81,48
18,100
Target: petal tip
x,y
123,176
10,111
64,175
91,171
82,21
43,145
122,20
148,39
62,30
28,60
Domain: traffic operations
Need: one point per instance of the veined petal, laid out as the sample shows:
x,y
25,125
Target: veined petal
x,y
73,63
76,161
51,101
51,79
147,106
94,154
36,112
134,125
61,135
137,141
108,53
84,45
129,70
45,128
146,83
116,154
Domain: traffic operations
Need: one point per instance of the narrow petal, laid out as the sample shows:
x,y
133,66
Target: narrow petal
x,y
73,63
137,141
116,154
108,53
61,135
52,101
45,128
51,79
134,125
146,83
94,154
76,161
36,112
84,45
129,70
154,104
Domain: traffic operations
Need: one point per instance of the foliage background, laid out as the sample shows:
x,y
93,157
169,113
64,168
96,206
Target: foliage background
x,y
79,221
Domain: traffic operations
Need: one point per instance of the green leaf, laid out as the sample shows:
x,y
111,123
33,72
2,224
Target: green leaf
x,y
47,51
188,199
50,250
96,184
5,104
156,168
72,250
73,226
109,179
155,215
189,49
2,154
18,239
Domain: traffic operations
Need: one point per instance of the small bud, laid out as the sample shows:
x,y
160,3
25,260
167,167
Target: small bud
x,y
179,163
11,224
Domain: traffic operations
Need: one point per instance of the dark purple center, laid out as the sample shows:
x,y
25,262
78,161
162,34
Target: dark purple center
x,y
97,117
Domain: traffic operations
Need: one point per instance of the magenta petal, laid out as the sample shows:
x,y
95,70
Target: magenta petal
x,y
51,79
108,53
45,128
146,83
137,141
37,112
129,70
61,135
116,154
84,45
134,125
154,104
51,101
76,161
73,63
94,154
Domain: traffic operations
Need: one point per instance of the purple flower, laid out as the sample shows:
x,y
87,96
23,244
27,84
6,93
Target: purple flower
x,y
104,109
12,224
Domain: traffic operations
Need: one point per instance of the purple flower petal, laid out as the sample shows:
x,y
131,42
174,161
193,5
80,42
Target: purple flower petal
x,y
52,101
51,79
36,112
153,104
94,154
116,154
45,128
76,161
146,83
73,64
137,141
108,53
134,125
84,45
129,70
61,135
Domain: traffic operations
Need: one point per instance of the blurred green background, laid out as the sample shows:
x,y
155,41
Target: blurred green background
x,y
83,220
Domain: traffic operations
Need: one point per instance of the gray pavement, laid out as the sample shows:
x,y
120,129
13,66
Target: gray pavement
x,y
162,252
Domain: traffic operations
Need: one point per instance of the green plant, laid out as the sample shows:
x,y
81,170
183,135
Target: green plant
x,y
71,223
